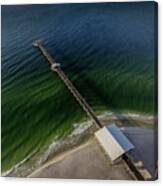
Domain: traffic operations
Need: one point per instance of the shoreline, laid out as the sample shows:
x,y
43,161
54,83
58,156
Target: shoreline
x,y
76,164
145,120
60,157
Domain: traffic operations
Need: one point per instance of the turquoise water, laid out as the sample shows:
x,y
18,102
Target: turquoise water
x,y
106,49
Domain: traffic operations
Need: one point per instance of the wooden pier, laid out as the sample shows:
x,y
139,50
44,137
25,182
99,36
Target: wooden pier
x,y
55,67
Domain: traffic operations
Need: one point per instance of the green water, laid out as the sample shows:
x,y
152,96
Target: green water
x,y
107,50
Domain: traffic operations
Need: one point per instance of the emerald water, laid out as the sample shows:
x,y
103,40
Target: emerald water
x,y
106,49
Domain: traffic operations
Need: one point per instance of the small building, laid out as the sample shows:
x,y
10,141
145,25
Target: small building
x,y
114,142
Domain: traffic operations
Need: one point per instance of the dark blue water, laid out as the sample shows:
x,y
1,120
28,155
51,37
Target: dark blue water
x,y
106,49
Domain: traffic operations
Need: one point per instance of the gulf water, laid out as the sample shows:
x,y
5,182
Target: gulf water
x,y
106,49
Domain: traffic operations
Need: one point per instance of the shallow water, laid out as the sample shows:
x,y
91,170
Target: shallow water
x,y
106,49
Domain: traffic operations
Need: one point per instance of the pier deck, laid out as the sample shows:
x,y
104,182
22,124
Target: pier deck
x,y
56,68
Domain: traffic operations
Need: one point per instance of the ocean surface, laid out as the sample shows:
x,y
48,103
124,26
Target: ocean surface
x,y
106,49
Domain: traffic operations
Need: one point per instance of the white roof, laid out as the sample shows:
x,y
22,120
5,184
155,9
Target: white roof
x,y
114,142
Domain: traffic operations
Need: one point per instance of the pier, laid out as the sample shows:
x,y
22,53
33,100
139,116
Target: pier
x,y
55,67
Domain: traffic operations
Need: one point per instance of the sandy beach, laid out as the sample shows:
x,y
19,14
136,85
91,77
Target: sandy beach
x,y
87,161
80,147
